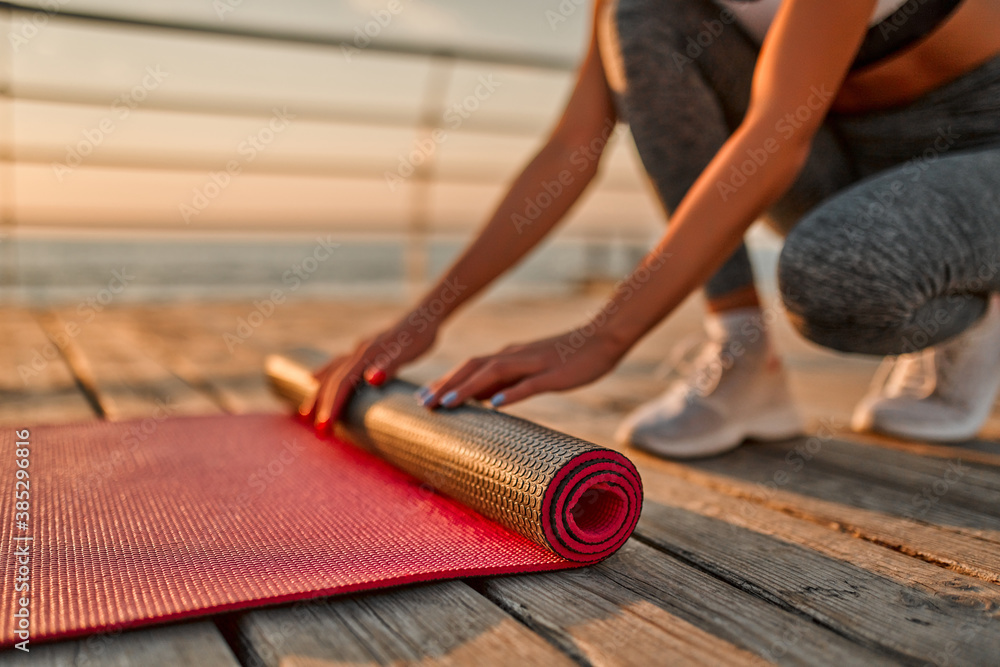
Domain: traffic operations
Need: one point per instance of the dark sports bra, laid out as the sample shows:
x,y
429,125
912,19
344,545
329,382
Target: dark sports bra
x,y
904,26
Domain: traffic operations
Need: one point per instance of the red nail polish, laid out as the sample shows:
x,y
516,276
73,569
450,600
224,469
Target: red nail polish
x,y
375,376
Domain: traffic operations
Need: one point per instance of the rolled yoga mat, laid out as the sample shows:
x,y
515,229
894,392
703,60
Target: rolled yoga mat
x,y
573,497
146,521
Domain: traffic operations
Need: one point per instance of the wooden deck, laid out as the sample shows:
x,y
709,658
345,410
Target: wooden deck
x,y
828,550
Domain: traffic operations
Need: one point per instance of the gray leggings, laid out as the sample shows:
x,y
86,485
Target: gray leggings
x,y
893,226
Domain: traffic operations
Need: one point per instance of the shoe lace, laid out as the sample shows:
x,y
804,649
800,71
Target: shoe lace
x,y
913,374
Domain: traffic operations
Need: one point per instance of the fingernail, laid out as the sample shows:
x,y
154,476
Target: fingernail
x,y
424,395
375,376
449,398
497,400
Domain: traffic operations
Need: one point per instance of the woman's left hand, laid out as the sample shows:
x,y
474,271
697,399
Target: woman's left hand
x,y
566,361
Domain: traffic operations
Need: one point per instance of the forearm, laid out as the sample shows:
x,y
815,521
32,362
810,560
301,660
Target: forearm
x,y
705,229
537,200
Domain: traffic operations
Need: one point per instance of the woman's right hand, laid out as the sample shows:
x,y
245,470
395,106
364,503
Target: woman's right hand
x,y
374,360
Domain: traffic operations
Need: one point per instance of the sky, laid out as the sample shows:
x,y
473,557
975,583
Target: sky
x,y
127,130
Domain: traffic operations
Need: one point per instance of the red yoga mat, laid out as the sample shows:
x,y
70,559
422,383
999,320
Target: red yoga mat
x,y
147,521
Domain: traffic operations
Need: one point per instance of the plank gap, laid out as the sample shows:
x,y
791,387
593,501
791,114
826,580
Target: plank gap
x,y
553,635
76,361
744,586
860,533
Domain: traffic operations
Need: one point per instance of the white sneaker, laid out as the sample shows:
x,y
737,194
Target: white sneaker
x,y
737,390
944,393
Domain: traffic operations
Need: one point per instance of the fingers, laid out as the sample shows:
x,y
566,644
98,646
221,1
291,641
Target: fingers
x,y
337,381
375,361
390,351
306,408
375,376
326,409
481,377
536,384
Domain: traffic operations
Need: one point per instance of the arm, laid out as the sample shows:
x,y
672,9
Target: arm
x,y
507,237
804,59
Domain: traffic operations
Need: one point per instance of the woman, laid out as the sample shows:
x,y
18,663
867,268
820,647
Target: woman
x,y
867,131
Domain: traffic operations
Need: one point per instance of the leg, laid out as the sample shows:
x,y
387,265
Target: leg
x,y
889,267
682,102
681,73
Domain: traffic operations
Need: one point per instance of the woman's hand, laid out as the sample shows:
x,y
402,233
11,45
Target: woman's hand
x,y
374,360
519,371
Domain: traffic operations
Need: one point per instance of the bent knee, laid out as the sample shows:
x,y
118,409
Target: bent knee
x,y
844,291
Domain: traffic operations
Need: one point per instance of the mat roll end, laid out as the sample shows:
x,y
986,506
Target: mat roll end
x,y
592,506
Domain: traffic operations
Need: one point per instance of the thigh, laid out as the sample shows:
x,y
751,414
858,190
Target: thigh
x,y
901,260
681,73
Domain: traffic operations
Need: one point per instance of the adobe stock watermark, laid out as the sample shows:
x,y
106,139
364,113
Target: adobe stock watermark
x,y
932,493
911,171
364,33
563,11
796,460
623,292
247,150
582,158
967,631
223,7
780,646
421,319
293,278
929,328
29,27
88,310
892,23
123,459
258,481
121,108
454,116
785,128
751,332
697,44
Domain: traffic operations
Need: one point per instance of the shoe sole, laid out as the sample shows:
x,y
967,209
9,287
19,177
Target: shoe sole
x,y
780,425
948,433
864,420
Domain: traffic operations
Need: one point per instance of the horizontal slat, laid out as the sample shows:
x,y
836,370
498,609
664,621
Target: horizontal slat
x,y
642,607
439,624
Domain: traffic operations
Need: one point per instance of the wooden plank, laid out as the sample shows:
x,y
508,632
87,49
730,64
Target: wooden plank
x,y
35,383
214,347
642,607
127,381
974,451
182,340
963,553
873,610
674,491
811,467
185,644
437,624
968,484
